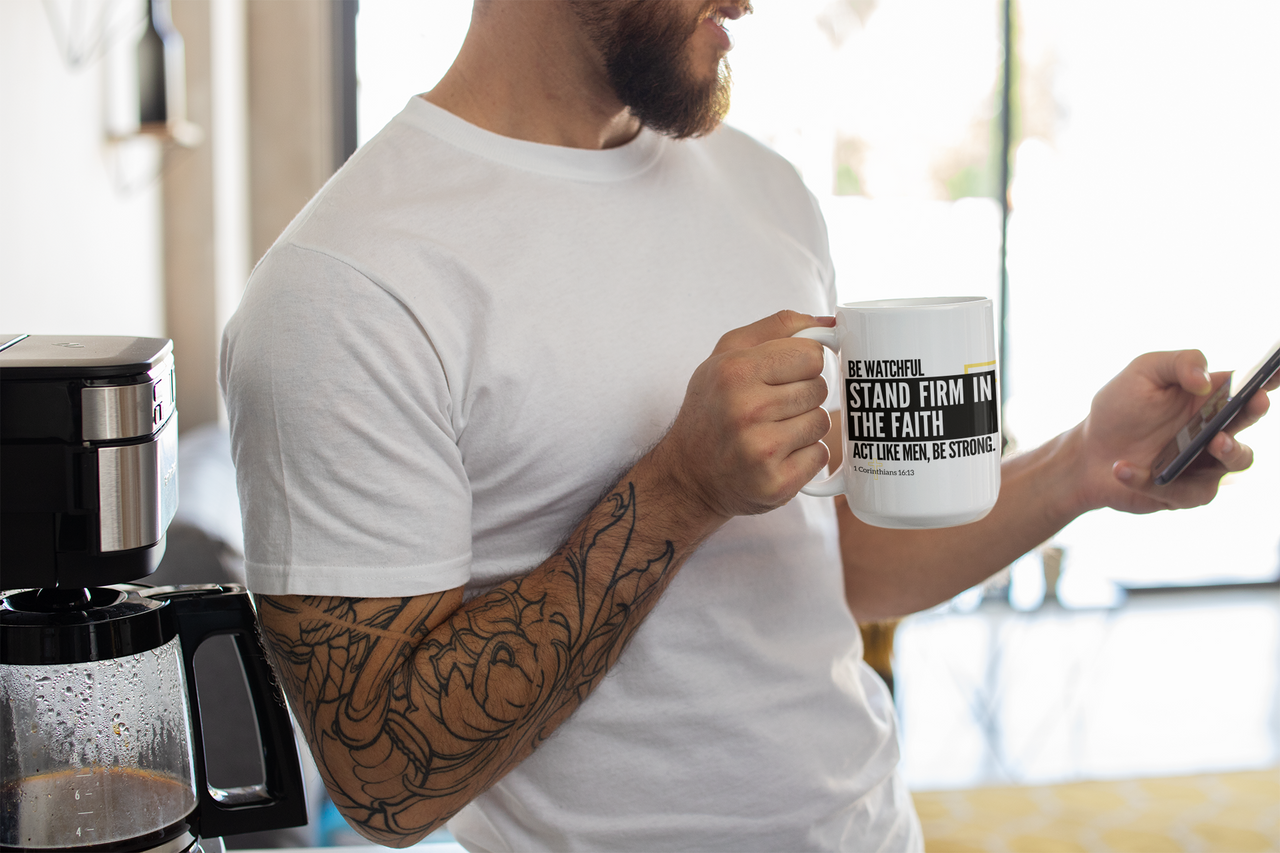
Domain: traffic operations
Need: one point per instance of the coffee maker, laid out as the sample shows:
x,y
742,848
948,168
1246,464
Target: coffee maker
x,y
100,739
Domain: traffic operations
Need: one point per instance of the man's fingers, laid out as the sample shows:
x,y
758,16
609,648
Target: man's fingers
x,y
776,363
1231,452
1196,486
801,453
784,324
1186,369
1192,488
1192,372
781,403
790,360
811,427
806,463
1253,411
797,398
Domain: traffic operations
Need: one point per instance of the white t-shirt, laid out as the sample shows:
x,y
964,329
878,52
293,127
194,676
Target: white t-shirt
x,y
452,352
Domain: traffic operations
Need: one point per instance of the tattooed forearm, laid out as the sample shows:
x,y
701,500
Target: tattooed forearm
x,y
414,706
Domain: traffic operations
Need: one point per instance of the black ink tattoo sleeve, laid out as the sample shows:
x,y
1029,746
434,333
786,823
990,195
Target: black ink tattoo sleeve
x,y
414,706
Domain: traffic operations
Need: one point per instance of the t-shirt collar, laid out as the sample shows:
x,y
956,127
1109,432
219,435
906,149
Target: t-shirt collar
x,y
611,164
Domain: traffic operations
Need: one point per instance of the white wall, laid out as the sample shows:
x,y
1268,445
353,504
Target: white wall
x,y
79,215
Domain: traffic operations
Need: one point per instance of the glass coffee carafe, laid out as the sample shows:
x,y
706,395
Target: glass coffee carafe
x,y
99,723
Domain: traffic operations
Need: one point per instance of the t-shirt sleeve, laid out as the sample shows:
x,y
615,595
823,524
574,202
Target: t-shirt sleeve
x,y
350,478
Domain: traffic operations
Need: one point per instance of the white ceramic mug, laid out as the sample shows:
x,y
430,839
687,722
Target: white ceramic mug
x,y
921,410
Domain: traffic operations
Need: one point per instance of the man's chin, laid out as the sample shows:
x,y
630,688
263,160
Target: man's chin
x,y
690,115
652,53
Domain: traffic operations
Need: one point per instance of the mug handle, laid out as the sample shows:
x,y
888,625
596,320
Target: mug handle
x,y
833,484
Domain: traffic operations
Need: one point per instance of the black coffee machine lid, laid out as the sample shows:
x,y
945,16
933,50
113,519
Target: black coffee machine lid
x,y
40,627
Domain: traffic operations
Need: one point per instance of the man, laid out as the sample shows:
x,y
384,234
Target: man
x,y
520,543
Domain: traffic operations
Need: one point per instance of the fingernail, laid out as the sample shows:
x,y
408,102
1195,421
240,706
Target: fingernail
x,y
1228,443
1123,472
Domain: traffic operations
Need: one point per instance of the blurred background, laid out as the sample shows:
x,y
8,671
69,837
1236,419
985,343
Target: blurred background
x,y
1106,171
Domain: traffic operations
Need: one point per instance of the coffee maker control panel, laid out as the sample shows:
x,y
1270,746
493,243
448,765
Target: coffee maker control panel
x,y
114,412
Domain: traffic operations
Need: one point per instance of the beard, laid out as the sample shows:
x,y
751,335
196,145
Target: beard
x,y
643,43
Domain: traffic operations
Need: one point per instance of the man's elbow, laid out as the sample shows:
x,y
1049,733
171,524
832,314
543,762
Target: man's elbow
x,y
387,836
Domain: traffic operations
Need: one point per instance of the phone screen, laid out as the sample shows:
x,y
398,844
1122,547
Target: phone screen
x,y
1210,418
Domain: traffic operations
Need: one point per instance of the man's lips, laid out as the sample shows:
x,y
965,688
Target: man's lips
x,y
724,40
718,15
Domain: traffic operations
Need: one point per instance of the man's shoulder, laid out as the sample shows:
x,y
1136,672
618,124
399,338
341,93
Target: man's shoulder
x,y
753,168
395,168
763,182
738,148
395,186
731,137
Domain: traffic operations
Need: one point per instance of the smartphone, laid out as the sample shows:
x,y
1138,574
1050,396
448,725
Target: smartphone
x,y
1216,413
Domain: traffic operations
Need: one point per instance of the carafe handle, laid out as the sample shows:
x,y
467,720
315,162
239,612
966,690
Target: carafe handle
x,y
208,610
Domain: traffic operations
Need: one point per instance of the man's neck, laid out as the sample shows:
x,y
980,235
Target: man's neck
x,y
527,71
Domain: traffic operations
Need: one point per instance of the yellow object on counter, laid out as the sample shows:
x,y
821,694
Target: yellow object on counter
x,y
1214,813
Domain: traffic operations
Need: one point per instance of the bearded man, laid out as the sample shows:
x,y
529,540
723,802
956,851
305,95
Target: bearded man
x,y
520,513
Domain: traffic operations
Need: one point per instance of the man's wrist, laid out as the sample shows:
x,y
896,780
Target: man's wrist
x,y
1058,473
673,499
